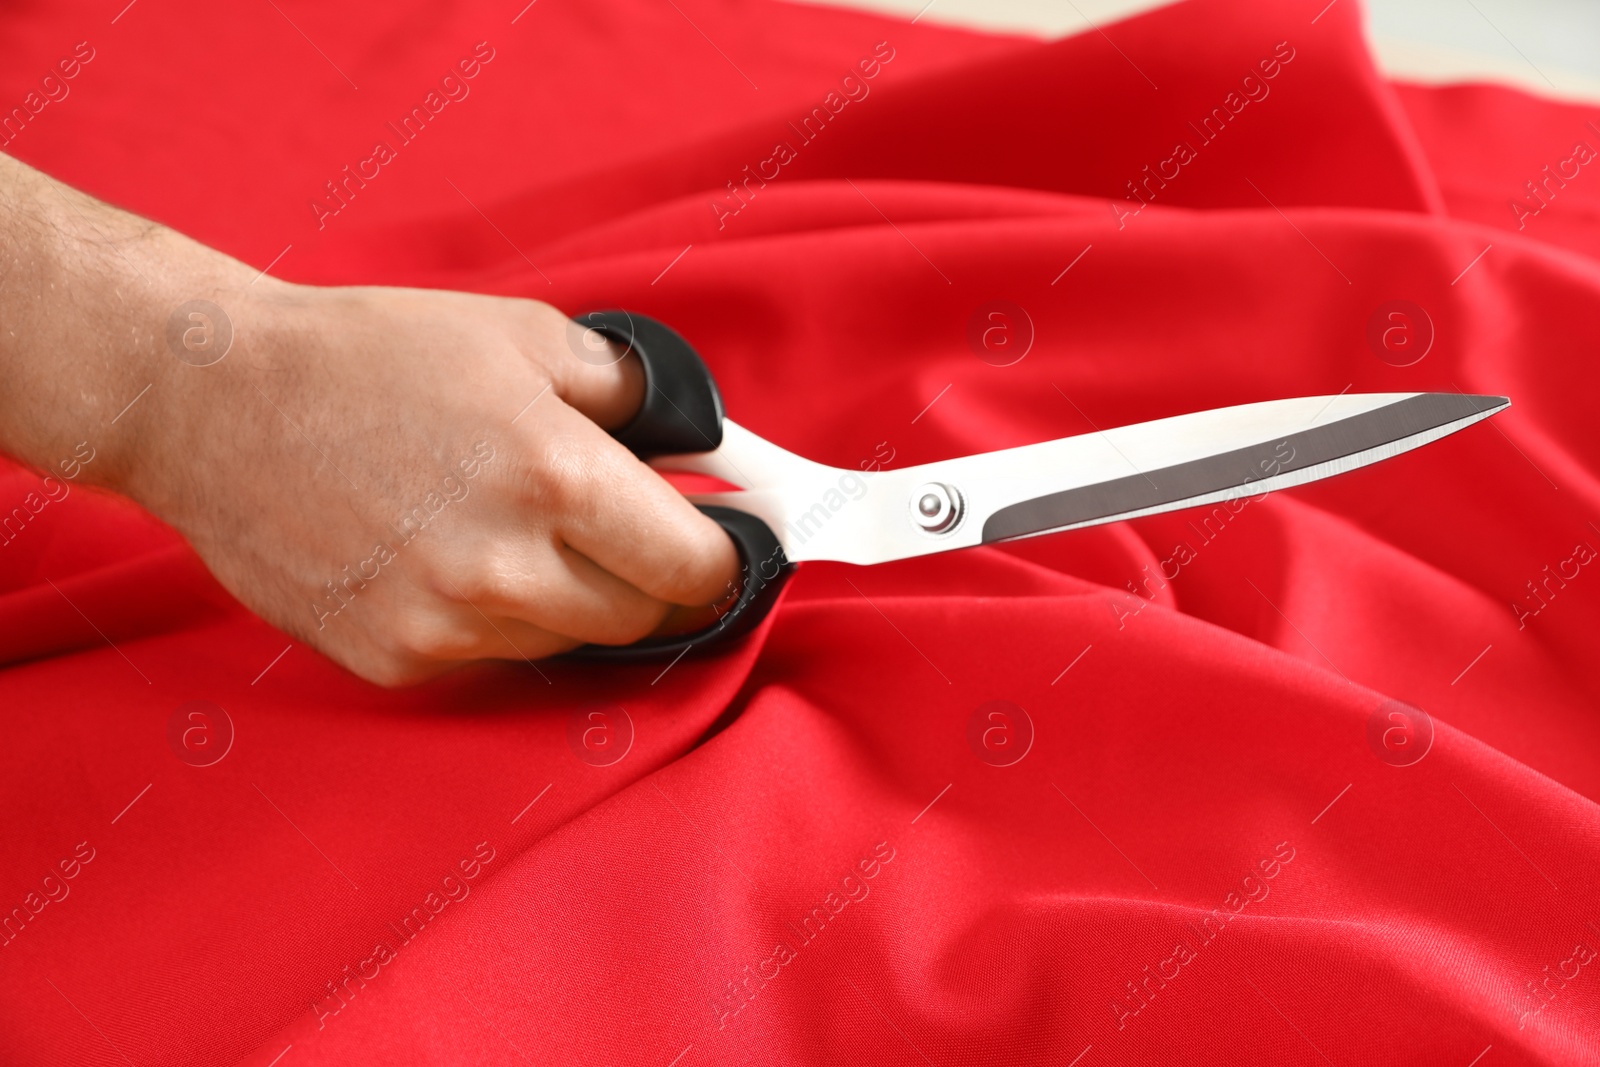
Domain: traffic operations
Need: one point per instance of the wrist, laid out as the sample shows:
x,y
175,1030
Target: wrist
x,y
95,329
210,337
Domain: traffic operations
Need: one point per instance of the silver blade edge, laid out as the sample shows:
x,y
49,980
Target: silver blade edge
x,y
829,513
1293,459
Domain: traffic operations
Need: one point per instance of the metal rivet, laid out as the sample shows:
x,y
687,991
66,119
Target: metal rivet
x,y
936,507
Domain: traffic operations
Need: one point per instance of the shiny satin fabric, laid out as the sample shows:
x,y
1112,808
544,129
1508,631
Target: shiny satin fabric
x,y
1304,778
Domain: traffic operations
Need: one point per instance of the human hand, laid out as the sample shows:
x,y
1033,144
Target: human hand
x,y
409,479
406,479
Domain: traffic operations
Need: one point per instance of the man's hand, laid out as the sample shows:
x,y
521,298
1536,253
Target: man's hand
x,y
406,479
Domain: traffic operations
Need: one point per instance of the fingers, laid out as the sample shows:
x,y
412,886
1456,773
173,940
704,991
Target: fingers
x,y
524,613
547,601
632,523
621,515
556,590
424,640
471,632
586,544
596,376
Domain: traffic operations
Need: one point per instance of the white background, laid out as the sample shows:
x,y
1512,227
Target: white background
x,y
1547,47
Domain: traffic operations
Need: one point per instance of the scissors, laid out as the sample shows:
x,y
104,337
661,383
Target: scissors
x,y
788,510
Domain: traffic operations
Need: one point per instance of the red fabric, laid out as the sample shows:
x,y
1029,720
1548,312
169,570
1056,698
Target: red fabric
x,y
1210,751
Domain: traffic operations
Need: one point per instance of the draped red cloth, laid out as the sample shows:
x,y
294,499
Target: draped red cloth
x,y
1217,846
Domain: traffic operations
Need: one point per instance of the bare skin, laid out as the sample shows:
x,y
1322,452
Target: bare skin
x,y
405,479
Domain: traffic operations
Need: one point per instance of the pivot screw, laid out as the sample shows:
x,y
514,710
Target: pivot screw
x,y
936,507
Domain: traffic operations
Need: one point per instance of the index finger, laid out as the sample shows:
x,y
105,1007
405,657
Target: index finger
x,y
592,374
619,513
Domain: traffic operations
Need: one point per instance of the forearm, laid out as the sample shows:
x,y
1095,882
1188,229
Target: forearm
x,y
307,441
86,292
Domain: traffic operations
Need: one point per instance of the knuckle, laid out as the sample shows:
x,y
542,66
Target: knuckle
x,y
682,583
699,576
422,637
506,576
496,586
391,670
623,625
392,674
559,475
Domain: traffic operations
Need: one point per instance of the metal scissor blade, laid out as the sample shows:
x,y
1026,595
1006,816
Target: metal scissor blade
x,y
1290,456
1123,473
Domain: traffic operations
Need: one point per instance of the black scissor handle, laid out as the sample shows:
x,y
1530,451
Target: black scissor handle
x,y
682,412
764,571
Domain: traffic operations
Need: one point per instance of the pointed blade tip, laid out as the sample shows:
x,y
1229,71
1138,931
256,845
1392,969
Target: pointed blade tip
x,y
1472,404
1422,417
